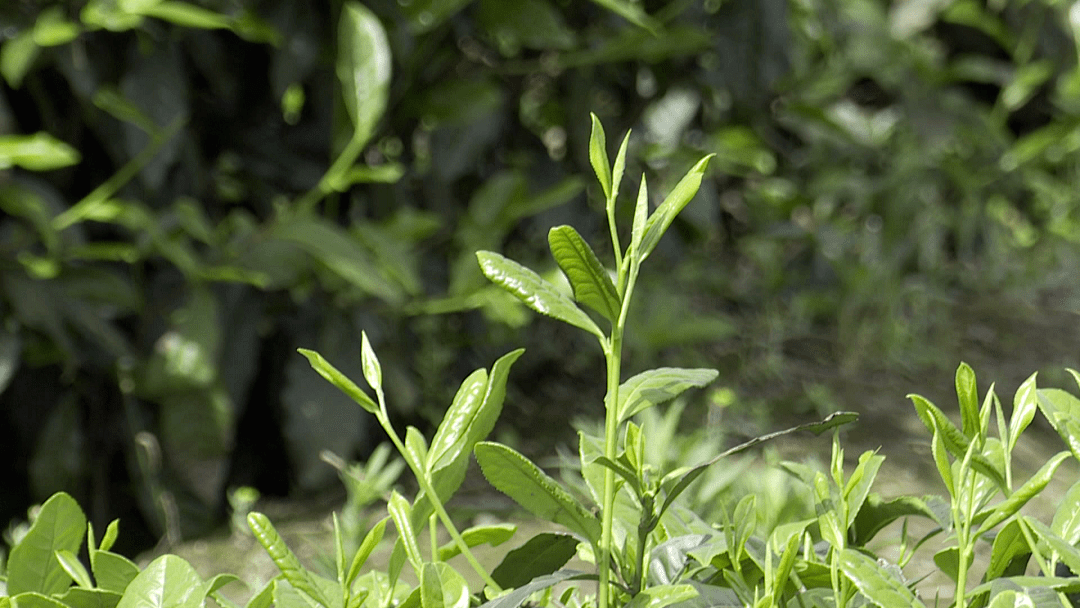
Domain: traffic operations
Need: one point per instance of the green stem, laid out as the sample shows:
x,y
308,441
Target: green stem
x,y
425,485
327,183
611,425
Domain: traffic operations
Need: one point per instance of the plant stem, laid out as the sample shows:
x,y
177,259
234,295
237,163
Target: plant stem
x,y
425,485
327,184
611,427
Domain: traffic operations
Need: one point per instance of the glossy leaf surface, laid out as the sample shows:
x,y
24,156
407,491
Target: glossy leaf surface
x,y
656,386
33,565
363,67
534,291
168,582
520,479
590,281
674,203
875,583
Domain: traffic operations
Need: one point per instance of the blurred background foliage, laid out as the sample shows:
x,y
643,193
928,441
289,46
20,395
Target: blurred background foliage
x,y
193,189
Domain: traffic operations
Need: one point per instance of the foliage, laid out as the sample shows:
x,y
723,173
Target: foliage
x,y
645,552
191,189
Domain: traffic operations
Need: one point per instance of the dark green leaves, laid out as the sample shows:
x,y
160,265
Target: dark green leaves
x,y
590,281
540,555
534,291
520,479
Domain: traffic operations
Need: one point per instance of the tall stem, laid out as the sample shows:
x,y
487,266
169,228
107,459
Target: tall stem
x,y
611,427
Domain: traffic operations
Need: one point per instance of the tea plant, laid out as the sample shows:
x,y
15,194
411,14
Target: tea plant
x,y
649,550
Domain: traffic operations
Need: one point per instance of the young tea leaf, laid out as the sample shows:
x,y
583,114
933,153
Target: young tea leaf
x,y
1063,412
534,291
371,540
878,585
363,67
1066,522
663,595
641,217
968,396
442,587
494,535
283,557
340,380
1009,553
656,386
168,582
518,596
112,572
372,369
1025,402
674,203
590,281
520,479
33,564
992,516
598,157
74,568
399,510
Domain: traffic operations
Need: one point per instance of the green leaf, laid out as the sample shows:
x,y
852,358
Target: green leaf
x,y
1025,402
598,157
37,152
518,596
372,369
74,568
1011,599
1066,522
33,599
878,513
363,67
400,510
858,485
590,281
286,561
188,15
1009,553
541,555
520,479
968,396
992,516
641,218
77,597
1063,412
340,380
168,582
1069,554
874,582
948,561
112,572
656,386
33,565
677,481
494,535
535,292
954,440
371,540
442,587
52,28
674,203
17,56
415,447
472,415
667,561
632,12
662,595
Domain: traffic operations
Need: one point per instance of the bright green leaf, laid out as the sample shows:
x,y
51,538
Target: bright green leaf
x,y
588,277
168,582
283,557
493,534
662,595
992,516
340,380
598,157
968,396
74,568
372,369
33,565
674,203
520,479
878,585
442,587
657,386
535,292
1025,402
37,152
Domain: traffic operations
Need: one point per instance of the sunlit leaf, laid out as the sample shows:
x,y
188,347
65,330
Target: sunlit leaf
x,y
37,152
363,67
674,203
588,277
442,587
520,479
33,564
656,386
873,581
535,292
168,582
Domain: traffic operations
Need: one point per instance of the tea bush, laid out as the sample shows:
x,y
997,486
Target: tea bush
x,y
646,549
192,190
